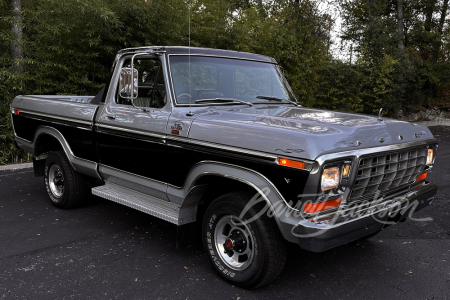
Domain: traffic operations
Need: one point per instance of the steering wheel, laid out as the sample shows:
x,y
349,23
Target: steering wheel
x,y
184,94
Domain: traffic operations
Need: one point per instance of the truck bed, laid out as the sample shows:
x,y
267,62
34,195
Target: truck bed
x,y
71,116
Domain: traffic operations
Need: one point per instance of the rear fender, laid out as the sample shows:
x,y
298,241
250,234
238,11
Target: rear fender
x,y
80,165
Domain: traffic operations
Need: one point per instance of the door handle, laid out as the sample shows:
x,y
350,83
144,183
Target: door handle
x,y
112,117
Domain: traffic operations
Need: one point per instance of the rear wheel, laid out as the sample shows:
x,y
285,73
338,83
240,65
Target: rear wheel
x,y
65,187
249,254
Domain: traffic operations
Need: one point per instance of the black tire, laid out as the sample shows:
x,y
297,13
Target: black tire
x,y
269,255
75,188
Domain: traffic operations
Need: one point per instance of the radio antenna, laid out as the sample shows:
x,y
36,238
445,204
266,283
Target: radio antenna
x,y
190,114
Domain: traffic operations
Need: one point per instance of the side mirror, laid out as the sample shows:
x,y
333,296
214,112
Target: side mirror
x,y
128,83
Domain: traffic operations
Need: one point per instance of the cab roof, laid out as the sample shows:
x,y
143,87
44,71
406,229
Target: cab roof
x,y
198,51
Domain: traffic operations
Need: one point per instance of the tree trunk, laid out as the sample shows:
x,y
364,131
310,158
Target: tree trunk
x,y
16,28
429,9
261,9
437,46
401,46
369,4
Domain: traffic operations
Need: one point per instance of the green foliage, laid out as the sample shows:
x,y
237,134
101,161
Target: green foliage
x,y
69,47
419,78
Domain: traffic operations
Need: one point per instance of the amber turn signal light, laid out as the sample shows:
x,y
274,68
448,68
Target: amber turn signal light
x,y
422,177
291,163
311,208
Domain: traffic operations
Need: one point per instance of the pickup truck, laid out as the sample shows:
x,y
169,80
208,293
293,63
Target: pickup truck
x,y
217,138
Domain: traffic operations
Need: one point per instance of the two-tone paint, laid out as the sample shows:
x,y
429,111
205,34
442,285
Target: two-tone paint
x,y
164,151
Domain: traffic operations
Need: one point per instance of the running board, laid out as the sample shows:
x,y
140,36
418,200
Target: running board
x,y
153,206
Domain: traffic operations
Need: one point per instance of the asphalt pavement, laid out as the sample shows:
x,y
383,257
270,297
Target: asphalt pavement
x,y
104,250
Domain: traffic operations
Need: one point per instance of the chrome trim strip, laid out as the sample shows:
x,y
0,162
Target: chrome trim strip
x,y
63,139
153,49
199,143
23,140
64,99
12,123
223,56
222,147
79,164
59,123
208,173
55,117
279,219
139,183
132,174
150,50
162,136
269,183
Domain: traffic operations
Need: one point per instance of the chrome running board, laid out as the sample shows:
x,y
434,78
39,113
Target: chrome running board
x,y
150,205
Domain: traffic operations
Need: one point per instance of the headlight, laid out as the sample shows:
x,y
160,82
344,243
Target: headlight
x,y
430,157
330,178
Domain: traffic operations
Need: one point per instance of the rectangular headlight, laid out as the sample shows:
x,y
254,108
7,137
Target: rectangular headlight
x,y
330,178
430,156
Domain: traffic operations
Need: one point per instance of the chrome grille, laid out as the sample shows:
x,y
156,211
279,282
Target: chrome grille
x,y
387,172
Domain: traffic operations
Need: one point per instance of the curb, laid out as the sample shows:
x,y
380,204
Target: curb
x,y
434,123
16,166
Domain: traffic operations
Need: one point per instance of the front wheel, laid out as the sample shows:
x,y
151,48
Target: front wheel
x,y
249,254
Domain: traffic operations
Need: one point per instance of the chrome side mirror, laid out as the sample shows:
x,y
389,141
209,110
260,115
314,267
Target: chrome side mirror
x,y
128,83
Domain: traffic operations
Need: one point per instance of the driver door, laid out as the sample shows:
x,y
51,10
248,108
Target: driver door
x,y
130,138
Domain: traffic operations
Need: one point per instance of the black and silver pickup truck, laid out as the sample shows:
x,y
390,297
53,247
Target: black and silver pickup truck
x,y
217,138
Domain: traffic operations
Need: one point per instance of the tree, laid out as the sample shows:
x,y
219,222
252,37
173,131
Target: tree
x,y
400,25
17,32
440,30
411,34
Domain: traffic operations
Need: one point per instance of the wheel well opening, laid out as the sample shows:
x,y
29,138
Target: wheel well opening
x,y
217,186
46,143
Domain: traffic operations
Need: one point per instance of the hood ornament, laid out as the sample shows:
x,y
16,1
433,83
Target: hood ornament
x,y
380,115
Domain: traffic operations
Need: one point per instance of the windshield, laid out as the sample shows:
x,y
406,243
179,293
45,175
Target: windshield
x,y
213,77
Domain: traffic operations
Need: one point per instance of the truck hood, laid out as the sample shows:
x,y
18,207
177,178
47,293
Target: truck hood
x,y
300,132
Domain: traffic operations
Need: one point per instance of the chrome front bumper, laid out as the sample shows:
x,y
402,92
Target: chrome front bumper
x,y
351,223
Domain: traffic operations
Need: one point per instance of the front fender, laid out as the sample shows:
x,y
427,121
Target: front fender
x,y
282,211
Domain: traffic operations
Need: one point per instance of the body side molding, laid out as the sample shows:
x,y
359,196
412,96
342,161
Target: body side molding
x,y
145,185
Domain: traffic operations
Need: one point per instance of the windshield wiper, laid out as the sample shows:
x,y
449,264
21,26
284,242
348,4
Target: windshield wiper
x,y
277,99
223,100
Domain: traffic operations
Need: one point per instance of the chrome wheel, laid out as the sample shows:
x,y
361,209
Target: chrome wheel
x,y
234,242
56,181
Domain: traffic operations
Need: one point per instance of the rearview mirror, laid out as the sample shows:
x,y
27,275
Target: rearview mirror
x,y
128,83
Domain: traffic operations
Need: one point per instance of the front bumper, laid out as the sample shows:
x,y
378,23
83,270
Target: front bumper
x,y
348,225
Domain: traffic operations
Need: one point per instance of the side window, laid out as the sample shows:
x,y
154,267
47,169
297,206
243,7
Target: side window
x,y
151,88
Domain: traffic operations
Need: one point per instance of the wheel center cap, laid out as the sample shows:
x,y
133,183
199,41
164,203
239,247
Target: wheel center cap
x,y
230,243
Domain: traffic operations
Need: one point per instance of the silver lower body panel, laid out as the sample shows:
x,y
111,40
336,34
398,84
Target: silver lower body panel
x,y
153,206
